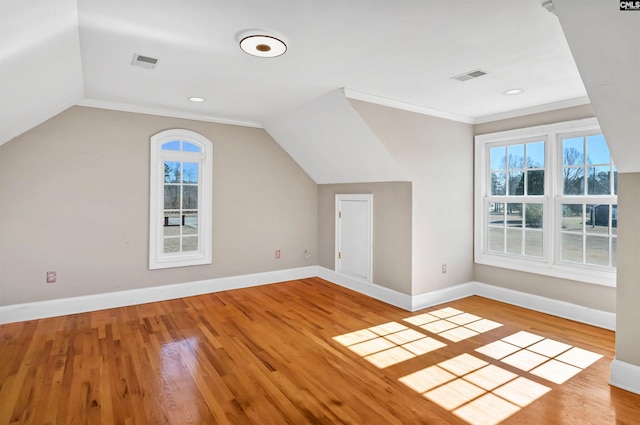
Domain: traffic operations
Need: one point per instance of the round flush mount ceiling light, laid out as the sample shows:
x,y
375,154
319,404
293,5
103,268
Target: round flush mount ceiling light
x,y
264,46
513,91
196,99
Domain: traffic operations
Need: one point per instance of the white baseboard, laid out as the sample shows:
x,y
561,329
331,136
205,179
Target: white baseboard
x,y
441,296
82,304
625,375
86,303
578,313
398,299
372,290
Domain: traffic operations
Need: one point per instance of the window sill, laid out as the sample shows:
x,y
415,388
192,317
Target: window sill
x,y
580,274
179,262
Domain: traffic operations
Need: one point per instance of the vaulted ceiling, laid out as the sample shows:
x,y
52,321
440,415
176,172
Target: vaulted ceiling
x,y
404,53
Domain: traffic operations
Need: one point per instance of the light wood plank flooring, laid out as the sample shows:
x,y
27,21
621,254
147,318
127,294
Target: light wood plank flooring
x,y
308,352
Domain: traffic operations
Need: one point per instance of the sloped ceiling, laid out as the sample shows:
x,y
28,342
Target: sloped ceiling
x,y
401,52
605,42
40,68
56,53
332,143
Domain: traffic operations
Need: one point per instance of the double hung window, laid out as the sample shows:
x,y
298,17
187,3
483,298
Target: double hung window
x,y
180,207
588,205
546,201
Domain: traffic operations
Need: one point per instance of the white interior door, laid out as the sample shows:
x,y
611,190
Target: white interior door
x,y
354,230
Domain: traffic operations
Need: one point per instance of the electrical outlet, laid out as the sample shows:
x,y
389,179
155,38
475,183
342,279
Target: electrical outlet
x,y
51,277
444,267
277,253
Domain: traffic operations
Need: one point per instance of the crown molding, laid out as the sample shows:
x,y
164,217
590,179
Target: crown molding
x,y
126,107
378,100
547,107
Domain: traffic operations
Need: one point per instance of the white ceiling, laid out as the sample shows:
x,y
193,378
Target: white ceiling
x,y
55,53
333,143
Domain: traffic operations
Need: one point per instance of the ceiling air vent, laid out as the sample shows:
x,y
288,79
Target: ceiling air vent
x,y
144,61
470,75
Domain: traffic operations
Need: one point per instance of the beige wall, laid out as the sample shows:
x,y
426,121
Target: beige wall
x,y
391,230
74,196
628,304
585,294
589,295
437,155
74,193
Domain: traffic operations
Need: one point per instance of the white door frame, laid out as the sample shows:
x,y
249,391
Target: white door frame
x,y
368,198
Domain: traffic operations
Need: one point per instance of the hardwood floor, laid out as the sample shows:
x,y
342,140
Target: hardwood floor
x,y
308,352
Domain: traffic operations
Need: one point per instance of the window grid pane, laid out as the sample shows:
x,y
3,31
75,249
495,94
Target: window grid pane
x,y
181,146
533,243
535,182
572,248
498,183
514,241
515,228
517,170
599,180
180,225
514,215
496,239
516,182
588,158
533,216
588,234
597,250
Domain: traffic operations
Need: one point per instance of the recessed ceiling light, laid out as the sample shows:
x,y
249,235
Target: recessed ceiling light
x,y
196,99
512,92
264,46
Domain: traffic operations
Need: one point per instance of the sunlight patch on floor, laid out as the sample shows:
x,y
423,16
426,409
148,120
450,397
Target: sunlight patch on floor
x,y
522,391
452,324
487,410
392,343
471,388
546,358
474,390
388,344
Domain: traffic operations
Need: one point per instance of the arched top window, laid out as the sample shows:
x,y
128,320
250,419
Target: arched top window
x,y
180,199
181,146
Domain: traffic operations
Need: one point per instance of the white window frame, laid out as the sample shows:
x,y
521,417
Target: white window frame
x,y
549,264
157,258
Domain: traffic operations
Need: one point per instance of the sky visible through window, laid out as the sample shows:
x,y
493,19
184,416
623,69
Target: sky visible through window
x,y
179,145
